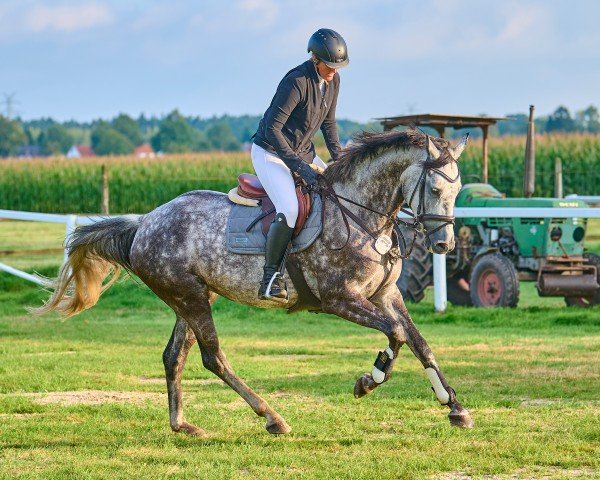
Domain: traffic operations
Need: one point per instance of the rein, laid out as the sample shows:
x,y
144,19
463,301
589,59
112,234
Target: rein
x,y
418,219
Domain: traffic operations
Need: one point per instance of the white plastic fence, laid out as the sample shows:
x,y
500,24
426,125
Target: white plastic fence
x,y
439,261
70,222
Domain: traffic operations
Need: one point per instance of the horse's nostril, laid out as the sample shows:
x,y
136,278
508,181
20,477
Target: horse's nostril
x,y
442,245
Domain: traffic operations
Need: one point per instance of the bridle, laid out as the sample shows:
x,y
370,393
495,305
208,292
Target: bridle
x,y
430,167
418,218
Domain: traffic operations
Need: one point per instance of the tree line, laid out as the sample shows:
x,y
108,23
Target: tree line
x,y
176,133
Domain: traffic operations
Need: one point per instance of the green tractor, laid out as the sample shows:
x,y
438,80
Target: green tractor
x,y
493,254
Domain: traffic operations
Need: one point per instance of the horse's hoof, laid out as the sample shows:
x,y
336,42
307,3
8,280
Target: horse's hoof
x,y
460,418
278,427
190,430
364,385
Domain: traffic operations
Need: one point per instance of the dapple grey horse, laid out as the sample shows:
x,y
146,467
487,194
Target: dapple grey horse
x,y
179,251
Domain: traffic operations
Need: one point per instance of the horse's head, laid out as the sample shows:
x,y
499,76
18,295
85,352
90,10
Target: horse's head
x,y
430,186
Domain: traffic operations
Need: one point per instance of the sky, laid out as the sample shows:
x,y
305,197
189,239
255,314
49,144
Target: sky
x,y
92,59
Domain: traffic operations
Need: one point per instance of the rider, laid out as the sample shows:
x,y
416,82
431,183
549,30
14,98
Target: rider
x,y
305,101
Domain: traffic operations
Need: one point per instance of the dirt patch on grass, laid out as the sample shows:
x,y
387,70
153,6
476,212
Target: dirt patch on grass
x,y
18,415
96,397
192,381
548,473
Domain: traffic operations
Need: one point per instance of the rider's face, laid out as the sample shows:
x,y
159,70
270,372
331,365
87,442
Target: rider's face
x,y
327,73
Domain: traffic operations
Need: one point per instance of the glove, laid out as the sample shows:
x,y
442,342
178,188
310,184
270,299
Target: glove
x,y
317,169
307,174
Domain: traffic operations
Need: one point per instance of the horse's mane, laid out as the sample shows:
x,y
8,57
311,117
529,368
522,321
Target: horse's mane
x,y
367,145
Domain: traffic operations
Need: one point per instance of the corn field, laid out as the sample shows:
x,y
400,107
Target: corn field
x,y
60,185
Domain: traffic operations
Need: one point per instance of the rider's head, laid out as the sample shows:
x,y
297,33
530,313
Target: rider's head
x,y
329,52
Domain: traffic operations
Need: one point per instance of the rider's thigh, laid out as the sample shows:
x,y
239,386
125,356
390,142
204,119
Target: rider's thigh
x,y
277,180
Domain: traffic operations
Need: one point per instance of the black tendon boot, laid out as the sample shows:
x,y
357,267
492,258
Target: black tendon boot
x,y
278,239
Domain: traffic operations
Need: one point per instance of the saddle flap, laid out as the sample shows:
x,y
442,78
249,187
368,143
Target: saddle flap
x,y
303,211
249,186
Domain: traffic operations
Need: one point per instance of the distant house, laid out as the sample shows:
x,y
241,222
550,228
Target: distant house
x,y
29,151
80,151
144,151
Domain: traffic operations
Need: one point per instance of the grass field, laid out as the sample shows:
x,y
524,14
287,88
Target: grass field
x,y
85,398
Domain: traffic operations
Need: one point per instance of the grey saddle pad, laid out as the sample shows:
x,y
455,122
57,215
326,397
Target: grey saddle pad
x,y
253,242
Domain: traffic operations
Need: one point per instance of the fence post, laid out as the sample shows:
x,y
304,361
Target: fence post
x,y
440,295
105,191
558,178
71,223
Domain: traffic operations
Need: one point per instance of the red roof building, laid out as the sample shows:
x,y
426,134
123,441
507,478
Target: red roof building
x,y
80,151
144,151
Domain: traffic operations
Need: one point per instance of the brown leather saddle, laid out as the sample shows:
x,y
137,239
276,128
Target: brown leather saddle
x,y
249,186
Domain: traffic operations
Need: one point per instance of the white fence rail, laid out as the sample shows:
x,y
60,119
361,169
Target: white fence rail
x,y
439,261
70,222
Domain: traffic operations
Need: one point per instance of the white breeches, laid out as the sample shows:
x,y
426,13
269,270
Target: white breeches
x,y
277,180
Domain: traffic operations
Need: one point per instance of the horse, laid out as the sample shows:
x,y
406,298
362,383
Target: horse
x,y
179,251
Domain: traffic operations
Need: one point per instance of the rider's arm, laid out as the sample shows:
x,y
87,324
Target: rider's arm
x,y
329,127
286,98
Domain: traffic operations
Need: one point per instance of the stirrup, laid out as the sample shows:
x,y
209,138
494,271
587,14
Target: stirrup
x,y
276,279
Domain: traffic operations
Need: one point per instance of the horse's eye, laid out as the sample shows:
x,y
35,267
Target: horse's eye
x,y
435,190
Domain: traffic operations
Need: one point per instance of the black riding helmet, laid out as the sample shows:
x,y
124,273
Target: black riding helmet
x,y
329,47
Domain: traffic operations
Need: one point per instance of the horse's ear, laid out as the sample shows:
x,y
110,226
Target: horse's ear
x,y
460,146
434,153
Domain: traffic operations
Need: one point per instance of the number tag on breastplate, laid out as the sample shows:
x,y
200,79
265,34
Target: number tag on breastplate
x,y
383,244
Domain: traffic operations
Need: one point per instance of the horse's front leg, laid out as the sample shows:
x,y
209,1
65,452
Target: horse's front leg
x,y
358,309
459,416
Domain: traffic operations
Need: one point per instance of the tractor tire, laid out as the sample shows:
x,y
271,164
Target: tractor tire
x,y
494,282
593,259
456,294
417,271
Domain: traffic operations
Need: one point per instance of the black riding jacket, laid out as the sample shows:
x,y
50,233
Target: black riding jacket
x,y
296,112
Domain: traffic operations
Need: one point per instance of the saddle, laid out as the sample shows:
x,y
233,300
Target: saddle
x,y
250,192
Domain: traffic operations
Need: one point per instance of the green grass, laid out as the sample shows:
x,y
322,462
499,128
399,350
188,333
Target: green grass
x,y
530,377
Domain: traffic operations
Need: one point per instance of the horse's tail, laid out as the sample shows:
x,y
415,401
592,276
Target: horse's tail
x,y
94,251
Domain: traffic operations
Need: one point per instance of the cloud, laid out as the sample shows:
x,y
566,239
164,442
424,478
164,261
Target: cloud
x,y
67,18
262,13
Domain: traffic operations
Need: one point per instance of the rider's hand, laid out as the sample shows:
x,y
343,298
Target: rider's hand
x,y
307,174
317,169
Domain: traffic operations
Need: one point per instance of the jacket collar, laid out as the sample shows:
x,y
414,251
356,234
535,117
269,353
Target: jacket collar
x,y
311,70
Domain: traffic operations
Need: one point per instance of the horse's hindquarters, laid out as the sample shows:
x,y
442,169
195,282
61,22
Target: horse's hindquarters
x,y
188,236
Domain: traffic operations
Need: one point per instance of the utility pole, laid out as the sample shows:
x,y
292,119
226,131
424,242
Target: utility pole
x,y
9,102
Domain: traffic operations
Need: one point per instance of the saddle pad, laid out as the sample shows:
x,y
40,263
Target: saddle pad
x,y
253,242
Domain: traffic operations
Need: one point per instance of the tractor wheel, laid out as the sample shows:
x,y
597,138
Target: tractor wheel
x,y
457,294
593,259
417,271
494,282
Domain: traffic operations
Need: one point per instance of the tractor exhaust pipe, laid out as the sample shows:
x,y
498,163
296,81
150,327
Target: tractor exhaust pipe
x,y
529,178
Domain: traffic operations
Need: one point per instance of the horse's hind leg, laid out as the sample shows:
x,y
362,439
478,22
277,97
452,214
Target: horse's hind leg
x,y
195,309
174,358
213,358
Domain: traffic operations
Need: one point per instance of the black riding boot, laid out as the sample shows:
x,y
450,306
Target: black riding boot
x,y
278,239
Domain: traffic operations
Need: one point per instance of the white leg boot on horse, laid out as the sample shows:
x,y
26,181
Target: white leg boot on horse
x,y
458,416
358,309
